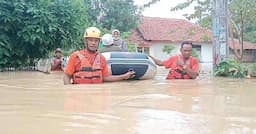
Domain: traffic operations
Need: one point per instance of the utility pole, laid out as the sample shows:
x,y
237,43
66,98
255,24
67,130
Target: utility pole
x,y
220,31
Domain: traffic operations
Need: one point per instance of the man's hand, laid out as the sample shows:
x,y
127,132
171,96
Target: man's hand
x,y
125,76
129,74
158,62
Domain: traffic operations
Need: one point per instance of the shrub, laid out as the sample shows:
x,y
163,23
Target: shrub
x,y
231,68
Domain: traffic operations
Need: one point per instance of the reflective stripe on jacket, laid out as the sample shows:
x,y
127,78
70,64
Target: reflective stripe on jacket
x,y
88,73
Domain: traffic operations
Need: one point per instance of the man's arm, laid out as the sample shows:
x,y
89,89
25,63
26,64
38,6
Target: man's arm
x,y
157,61
111,78
193,71
193,74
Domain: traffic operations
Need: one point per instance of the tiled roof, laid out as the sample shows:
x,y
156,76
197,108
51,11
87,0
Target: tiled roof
x,y
246,45
174,30
137,37
154,29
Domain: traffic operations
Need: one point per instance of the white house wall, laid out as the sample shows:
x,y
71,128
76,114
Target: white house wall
x,y
156,50
206,53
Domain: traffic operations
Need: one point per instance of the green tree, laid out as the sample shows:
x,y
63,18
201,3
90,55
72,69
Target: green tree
x,y
131,46
242,15
30,29
110,14
72,19
202,9
250,33
206,22
168,48
242,18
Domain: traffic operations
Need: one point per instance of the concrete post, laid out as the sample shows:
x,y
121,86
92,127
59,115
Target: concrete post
x,y
220,31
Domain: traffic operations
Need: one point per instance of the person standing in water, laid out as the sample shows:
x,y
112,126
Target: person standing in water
x,y
88,65
57,61
183,66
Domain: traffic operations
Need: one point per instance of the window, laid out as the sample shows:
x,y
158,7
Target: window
x,y
196,51
248,51
139,49
197,48
143,50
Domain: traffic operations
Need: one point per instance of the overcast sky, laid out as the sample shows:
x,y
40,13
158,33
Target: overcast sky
x,y
162,9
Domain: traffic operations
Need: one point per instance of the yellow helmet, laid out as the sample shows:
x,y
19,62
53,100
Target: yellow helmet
x,y
92,32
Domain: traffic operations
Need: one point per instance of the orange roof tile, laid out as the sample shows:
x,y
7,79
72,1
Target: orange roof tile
x,y
153,29
246,45
174,30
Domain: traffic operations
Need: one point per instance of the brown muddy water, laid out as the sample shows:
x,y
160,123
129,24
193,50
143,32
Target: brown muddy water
x,y
38,103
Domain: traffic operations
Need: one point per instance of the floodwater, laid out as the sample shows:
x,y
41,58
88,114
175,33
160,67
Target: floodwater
x,y
38,103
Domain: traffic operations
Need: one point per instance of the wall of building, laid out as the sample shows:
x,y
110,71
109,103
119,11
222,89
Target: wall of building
x,y
156,50
206,53
248,57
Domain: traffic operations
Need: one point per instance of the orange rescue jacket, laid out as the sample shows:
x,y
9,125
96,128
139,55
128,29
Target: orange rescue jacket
x,y
88,73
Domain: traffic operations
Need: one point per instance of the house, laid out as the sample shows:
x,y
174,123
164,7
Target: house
x,y
153,34
248,47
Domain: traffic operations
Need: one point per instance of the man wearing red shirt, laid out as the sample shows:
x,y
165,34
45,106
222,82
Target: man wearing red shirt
x,y
183,66
56,64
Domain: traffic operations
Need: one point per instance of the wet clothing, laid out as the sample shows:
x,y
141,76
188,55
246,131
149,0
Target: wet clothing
x,y
87,67
177,72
